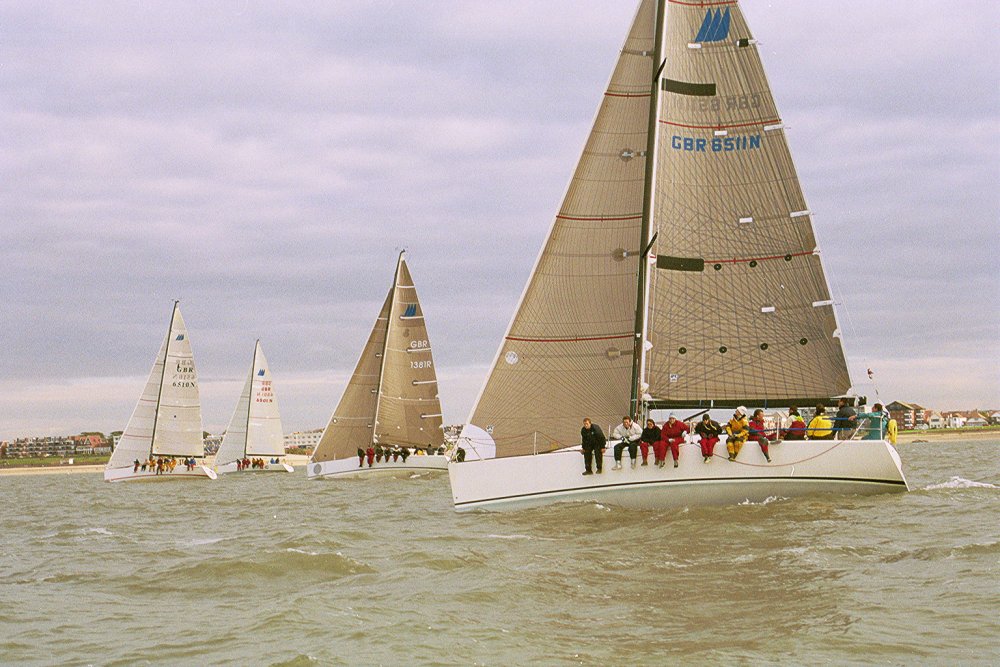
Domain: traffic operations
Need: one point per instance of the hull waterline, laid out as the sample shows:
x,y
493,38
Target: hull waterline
x,y
349,467
797,469
128,475
228,468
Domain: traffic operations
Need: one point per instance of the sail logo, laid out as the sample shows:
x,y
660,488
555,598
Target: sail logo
x,y
179,337
411,310
716,144
260,373
715,26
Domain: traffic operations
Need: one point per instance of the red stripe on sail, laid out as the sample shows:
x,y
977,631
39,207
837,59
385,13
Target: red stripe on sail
x,y
721,127
566,340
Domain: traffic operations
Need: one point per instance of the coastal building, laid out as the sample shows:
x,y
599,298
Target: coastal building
x,y
907,415
935,420
41,447
303,439
213,442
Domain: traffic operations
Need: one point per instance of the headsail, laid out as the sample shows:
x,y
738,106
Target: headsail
x,y
255,427
136,439
568,350
409,410
740,309
352,424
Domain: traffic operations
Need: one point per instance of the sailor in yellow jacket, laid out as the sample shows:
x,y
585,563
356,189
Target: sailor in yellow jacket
x,y
737,431
820,427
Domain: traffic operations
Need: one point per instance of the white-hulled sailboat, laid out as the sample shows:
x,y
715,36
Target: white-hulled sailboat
x,y
391,401
255,429
166,423
691,281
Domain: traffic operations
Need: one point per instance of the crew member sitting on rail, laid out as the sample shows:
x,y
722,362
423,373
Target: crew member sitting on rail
x,y
758,432
650,435
709,430
671,435
737,430
629,434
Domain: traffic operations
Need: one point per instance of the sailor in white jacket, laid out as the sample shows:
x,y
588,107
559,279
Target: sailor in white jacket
x,y
629,434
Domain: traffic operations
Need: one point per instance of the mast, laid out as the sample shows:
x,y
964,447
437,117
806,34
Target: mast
x,y
253,366
385,343
163,371
642,287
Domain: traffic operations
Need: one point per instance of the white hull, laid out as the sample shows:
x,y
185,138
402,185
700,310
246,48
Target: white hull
x,y
180,472
798,468
349,467
269,467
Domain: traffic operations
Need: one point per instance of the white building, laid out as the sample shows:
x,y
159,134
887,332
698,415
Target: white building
x,y
303,439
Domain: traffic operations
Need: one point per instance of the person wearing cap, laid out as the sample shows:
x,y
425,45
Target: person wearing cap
x,y
593,442
650,435
820,426
709,430
737,432
758,432
671,435
629,434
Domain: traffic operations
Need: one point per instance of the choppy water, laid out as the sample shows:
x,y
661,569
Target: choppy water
x,y
275,570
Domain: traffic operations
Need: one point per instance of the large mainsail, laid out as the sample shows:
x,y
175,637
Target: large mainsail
x,y
167,417
568,350
740,309
409,410
255,427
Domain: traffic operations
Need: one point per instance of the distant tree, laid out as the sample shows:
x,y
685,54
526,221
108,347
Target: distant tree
x,y
3,450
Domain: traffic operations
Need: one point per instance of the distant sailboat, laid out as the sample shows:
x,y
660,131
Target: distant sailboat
x,y
691,281
255,429
165,426
391,401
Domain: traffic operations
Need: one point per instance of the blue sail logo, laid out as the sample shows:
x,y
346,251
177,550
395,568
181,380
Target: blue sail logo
x,y
179,337
715,27
411,310
260,373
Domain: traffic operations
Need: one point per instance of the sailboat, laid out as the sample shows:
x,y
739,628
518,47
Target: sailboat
x,y
255,429
166,423
691,281
391,401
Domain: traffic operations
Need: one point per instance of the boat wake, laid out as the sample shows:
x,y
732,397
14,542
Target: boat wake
x,y
766,501
960,483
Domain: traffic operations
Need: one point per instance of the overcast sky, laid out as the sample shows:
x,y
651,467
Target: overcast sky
x,y
264,163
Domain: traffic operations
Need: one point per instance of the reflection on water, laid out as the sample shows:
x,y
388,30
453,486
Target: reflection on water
x,y
273,569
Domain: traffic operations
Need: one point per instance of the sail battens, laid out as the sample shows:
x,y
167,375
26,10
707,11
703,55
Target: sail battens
x,y
690,3
747,260
640,95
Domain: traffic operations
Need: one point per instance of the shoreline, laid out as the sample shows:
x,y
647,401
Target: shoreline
x,y
297,460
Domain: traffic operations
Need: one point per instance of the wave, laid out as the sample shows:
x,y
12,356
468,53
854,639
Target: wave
x,y
766,501
960,483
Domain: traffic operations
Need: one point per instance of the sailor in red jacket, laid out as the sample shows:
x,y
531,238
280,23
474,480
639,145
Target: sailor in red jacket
x,y
671,435
758,432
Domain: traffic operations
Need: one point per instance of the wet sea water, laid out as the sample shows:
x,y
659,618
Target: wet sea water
x,y
272,569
